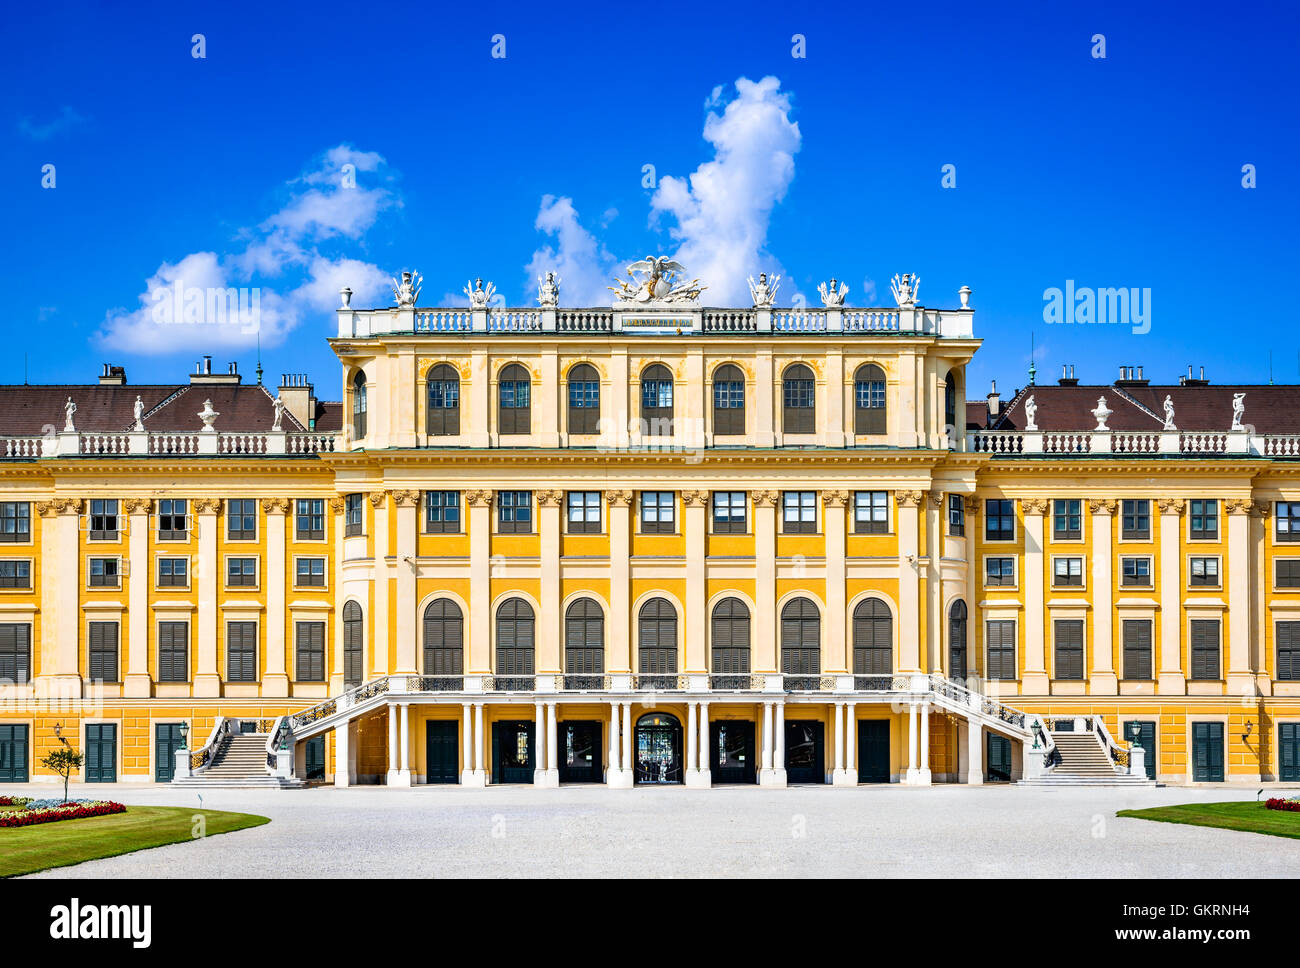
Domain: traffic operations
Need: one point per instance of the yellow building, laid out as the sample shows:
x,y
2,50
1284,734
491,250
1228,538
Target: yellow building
x,y
650,543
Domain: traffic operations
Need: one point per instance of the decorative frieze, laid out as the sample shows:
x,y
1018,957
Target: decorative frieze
x,y
1102,506
58,505
1171,505
766,499
275,505
619,499
406,498
207,505
835,499
1035,505
910,499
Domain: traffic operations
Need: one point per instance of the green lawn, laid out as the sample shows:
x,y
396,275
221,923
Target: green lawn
x,y
24,850
1239,815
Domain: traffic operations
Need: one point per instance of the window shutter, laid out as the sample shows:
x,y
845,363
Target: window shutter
x,y
1288,650
1137,649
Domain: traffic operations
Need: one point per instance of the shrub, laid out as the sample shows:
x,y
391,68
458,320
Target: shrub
x,y
89,808
1277,803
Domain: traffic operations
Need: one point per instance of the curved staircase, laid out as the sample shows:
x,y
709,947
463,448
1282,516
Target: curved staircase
x,y
239,763
1084,761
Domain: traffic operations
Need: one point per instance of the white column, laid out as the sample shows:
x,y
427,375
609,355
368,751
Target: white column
x,y
342,755
549,524
767,737
974,753
1240,678
1034,679
552,749
1103,680
692,744
628,764
838,777
778,761
766,657
923,771
480,582
620,571
137,683
834,517
612,767
404,767
850,744
1172,680
909,596
705,774
466,744
378,501
696,634
912,730
207,680
769,775
392,746
478,744
405,634
539,744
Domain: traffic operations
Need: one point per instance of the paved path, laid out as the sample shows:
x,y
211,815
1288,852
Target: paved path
x,y
889,831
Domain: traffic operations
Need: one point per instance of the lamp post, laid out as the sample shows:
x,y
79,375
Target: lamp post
x,y
1135,735
185,735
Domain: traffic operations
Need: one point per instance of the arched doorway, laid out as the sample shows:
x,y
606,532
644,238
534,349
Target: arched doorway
x,y
658,749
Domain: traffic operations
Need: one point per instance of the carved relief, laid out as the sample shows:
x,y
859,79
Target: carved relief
x,y
1238,505
1172,505
478,499
137,505
336,505
207,505
377,498
58,505
695,499
550,499
766,499
835,499
619,499
971,505
425,363
275,505
1035,505
910,499
406,499
1102,506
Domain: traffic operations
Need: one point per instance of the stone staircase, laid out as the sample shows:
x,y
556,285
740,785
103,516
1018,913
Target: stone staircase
x,y
239,763
1084,762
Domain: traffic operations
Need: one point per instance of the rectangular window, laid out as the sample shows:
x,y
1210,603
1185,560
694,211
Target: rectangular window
x,y
658,512
1067,571
1287,574
956,515
1288,650
799,512
1067,520
999,571
729,512
241,651
173,572
15,573
102,649
310,571
871,512
1204,518
999,520
442,512
583,512
241,572
1287,517
1001,636
1204,572
104,573
515,512
173,651
1137,648
15,521
103,520
309,646
1069,648
1205,648
241,519
15,653
1135,520
310,519
173,520
354,514
1135,571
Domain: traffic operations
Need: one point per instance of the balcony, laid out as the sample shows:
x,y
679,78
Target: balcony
x,y
1023,443
149,444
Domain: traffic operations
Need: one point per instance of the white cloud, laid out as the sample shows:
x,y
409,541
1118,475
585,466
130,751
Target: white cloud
x,y
582,263
66,120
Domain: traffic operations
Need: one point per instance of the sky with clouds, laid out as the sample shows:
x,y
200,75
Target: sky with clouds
x,y
339,148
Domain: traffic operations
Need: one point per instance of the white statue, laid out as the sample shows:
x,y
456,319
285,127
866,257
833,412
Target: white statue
x,y
1169,413
833,298
278,404
208,415
69,409
1101,413
1031,411
905,288
138,410
548,291
764,291
654,279
478,296
407,291
1238,410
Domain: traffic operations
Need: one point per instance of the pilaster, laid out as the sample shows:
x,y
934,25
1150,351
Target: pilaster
x,y
1240,677
207,679
695,510
1172,679
764,628
549,507
137,684
1034,678
1103,680
909,611
836,657
480,588
275,678
380,648
620,582
408,503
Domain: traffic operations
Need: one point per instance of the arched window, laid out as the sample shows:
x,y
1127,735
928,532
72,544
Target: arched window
x,y
584,639
869,400
957,640
798,412
584,399
730,635
800,638
657,400
873,639
443,419
514,410
950,406
657,638
353,645
359,405
728,401
444,639
515,638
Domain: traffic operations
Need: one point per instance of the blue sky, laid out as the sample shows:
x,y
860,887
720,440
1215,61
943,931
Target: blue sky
x,y
226,170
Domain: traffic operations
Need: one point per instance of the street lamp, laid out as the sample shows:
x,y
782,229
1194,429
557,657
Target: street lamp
x,y
185,735
1135,735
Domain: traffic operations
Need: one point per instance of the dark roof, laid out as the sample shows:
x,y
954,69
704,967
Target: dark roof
x,y
329,416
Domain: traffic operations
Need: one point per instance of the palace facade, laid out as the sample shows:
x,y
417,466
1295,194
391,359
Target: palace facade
x,y
655,543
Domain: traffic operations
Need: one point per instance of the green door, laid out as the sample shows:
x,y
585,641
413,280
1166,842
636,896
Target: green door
x,y
512,751
314,758
731,751
442,762
13,754
1207,752
1146,739
873,751
580,759
101,753
1289,752
999,754
166,741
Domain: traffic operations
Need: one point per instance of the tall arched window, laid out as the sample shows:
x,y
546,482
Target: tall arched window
x,y
444,639
359,405
957,640
798,411
584,639
353,646
728,401
800,638
657,638
730,635
443,419
514,401
515,639
950,406
869,400
873,639
657,399
584,399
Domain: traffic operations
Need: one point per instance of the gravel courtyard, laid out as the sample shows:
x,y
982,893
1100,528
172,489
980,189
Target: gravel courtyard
x,y
577,831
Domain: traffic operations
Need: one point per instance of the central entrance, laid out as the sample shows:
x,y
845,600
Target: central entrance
x,y
442,758
805,751
580,752
512,751
873,751
658,749
731,752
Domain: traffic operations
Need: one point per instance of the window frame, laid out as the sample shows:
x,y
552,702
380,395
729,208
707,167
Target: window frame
x,y
956,516
310,533
1079,585
1191,571
354,506
8,584
310,561
1003,650
19,513
106,534
871,524
586,502
92,583
171,561
1124,582
1139,534
1072,514
254,651
1015,572
173,533
656,525
241,534
254,584
1202,534
726,503
185,649
804,501
1008,514
440,524
508,502
1069,649
582,411
1193,650
314,651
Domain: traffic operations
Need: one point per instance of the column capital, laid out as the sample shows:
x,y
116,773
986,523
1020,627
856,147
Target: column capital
x,y
275,505
406,498
479,499
766,499
936,498
835,499
207,505
59,505
1240,506
1102,506
1172,505
619,499
336,505
909,499
695,499
971,505
1261,509
377,499
549,498
1035,505
137,505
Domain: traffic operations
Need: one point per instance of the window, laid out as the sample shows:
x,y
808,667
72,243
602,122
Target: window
x,y
1067,520
359,405
173,572
442,512
354,514
1069,648
515,512
658,512
656,638
870,512
1135,571
241,651
309,648
173,521
584,399
950,406
957,668
869,400
1067,571
444,639
799,512
956,515
1135,520
310,519
515,639
1287,516
16,573
1205,648
173,651
999,520
310,571
241,571
102,649
1205,572
583,512
104,573
730,635
353,646
657,400
514,403
584,639
103,520
798,404
999,571
1287,574
1137,648
1204,520
1001,636
873,639
443,396
15,653
1288,650
15,521
241,520
729,510
728,401
800,638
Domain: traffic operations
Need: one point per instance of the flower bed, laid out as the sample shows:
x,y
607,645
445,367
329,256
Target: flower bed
x,y
1277,803
29,812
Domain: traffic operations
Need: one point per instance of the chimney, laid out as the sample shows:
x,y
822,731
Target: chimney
x,y
995,401
1190,381
299,398
1131,376
112,376
203,373
1067,376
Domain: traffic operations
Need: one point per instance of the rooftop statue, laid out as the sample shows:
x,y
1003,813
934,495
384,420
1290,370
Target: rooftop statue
x,y
1238,410
138,411
407,291
764,291
69,409
479,297
1101,413
833,298
905,288
1169,414
654,279
1031,413
548,291
208,416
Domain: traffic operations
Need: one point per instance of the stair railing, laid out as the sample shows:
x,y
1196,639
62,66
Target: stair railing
x,y
978,702
1118,754
353,697
202,757
1042,730
278,736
